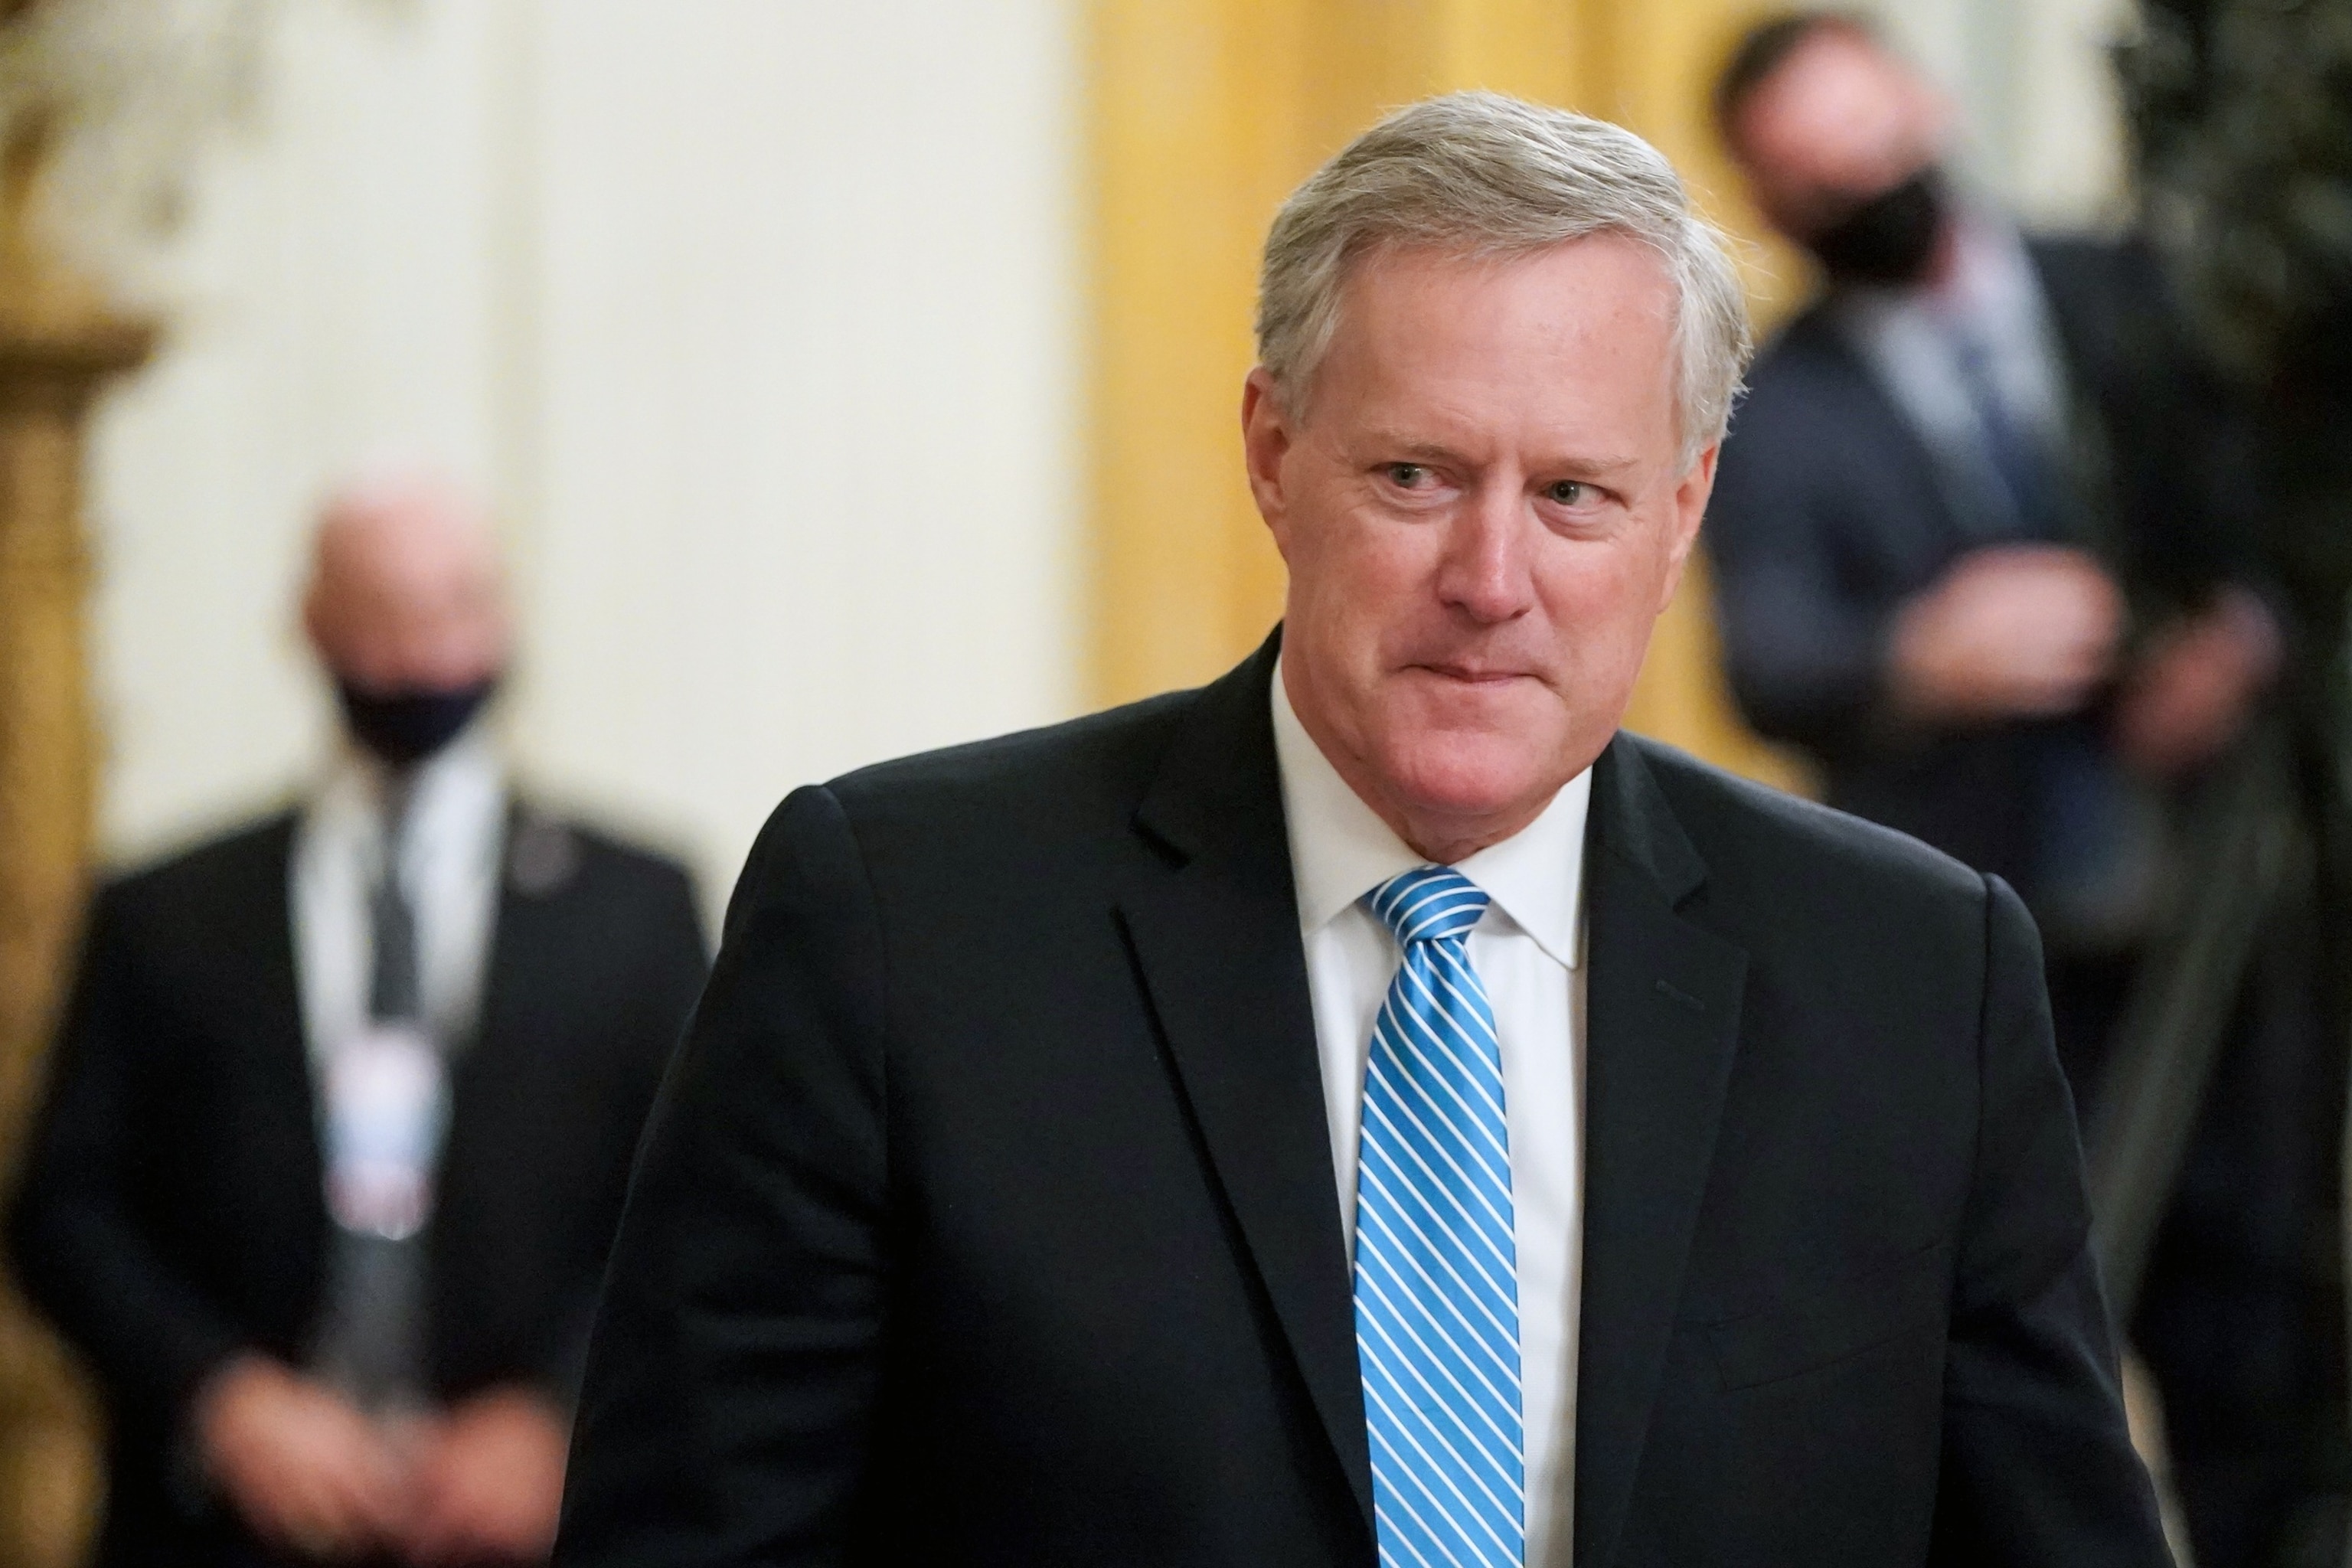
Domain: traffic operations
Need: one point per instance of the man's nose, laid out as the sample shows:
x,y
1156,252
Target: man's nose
x,y
1486,572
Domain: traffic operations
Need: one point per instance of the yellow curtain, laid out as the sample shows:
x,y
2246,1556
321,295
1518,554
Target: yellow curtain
x,y
1203,114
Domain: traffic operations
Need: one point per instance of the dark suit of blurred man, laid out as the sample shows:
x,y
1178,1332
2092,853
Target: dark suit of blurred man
x,y
341,1113
1368,1107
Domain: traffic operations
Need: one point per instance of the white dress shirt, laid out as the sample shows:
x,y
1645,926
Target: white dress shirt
x,y
1528,952
449,869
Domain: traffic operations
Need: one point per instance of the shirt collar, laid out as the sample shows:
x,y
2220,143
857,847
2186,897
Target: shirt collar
x,y
1341,850
457,798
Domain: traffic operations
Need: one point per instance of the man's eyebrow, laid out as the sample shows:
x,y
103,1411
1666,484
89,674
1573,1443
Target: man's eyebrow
x,y
1590,468
1408,449
1411,449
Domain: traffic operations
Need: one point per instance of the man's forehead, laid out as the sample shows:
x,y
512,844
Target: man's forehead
x,y
1432,325
1430,301
1435,266
1839,92
404,533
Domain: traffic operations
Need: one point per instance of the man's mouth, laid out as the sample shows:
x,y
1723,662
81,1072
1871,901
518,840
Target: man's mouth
x,y
1473,675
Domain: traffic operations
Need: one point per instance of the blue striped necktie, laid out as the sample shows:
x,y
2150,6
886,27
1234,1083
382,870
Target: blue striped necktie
x,y
1437,1299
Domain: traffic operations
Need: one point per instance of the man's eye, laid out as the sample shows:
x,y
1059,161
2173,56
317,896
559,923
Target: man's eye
x,y
1407,476
1568,492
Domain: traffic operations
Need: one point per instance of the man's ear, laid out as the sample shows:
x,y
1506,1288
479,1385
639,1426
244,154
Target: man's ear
x,y
1688,511
1266,439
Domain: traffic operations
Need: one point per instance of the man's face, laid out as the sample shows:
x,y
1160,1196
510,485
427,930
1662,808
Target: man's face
x,y
1482,512
1839,121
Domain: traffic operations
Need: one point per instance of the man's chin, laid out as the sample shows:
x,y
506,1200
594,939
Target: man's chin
x,y
1471,776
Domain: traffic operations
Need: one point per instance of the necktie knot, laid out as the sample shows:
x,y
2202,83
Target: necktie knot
x,y
1431,903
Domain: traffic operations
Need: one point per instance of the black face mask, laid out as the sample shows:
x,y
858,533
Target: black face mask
x,y
403,728
1890,239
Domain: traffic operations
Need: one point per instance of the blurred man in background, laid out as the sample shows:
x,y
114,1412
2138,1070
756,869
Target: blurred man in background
x,y
1949,466
343,1109
1973,550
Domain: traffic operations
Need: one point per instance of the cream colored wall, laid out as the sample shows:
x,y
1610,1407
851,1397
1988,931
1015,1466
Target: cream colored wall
x,y
330,300
2031,81
758,318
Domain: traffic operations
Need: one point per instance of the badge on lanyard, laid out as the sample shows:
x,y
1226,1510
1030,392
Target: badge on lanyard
x,y
387,1108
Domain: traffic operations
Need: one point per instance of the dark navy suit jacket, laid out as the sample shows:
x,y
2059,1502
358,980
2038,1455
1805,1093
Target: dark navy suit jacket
x,y
1830,511
986,1215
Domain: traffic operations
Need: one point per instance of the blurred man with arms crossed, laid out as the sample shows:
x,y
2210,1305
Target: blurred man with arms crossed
x,y
1368,1107
342,1111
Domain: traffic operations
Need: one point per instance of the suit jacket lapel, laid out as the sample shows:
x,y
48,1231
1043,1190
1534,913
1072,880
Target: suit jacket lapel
x,y
514,938
537,859
1215,934
275,977
1953,495
1663,1018
277,1119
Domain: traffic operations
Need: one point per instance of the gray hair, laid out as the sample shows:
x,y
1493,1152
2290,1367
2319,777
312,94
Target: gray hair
x,y
1484,176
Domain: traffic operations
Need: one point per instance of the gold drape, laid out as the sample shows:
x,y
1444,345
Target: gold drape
x,y
57,348
1203,114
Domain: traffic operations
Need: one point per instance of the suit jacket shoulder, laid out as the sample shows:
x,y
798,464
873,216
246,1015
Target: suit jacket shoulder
x,y
1842,915
1803,362
2074,264
1818,449
1119,747
549,852
213,879
204,926
1752,835
999,806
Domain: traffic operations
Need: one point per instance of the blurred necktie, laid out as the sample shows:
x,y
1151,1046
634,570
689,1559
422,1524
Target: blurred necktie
x,y
1437,1304
394,994
371,1339
2018,459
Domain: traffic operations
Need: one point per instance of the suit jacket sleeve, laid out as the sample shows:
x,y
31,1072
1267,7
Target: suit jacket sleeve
x,y
732,1374
1804,652
2038,1465
79,1246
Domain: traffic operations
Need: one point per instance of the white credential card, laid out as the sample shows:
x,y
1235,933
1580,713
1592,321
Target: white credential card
x,y
387,1109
